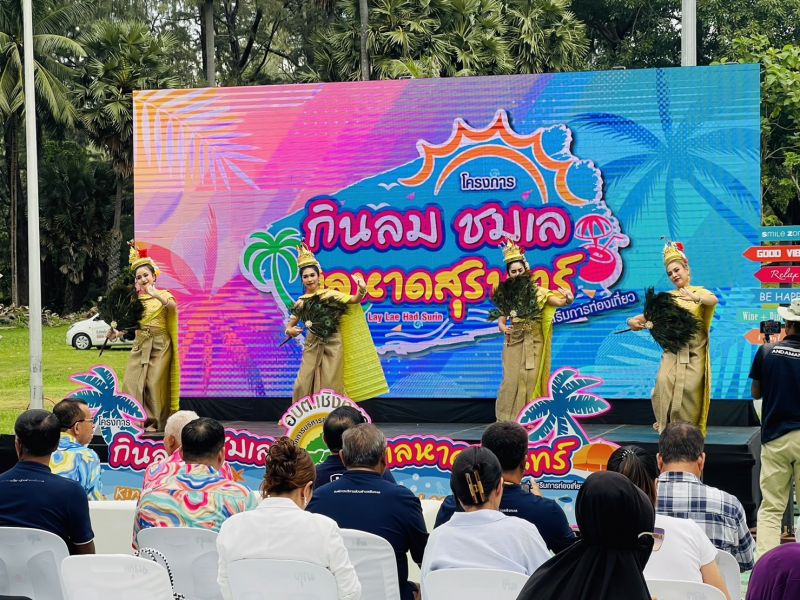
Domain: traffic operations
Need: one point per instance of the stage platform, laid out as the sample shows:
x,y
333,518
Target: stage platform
x,y
731,452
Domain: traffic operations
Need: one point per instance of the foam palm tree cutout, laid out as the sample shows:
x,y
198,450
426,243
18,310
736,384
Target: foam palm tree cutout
x,y
114,411
263,257
569,400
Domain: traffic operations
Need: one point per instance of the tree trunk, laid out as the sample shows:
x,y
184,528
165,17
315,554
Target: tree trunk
x,y
115,239
12,165
363,11
207,33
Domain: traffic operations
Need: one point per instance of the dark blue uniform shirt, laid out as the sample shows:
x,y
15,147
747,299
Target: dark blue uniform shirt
x,y
777,369
365,501
332,468
31,496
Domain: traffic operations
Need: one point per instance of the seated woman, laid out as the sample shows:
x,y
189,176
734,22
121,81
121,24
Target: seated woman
x,y
776,575
281,529
482,537
686,553
616,521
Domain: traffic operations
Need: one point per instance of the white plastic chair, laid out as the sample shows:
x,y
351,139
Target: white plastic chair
x,y
115,577
192,557
112,523
473,584
682,590
30,563
259,578
375,564
730,573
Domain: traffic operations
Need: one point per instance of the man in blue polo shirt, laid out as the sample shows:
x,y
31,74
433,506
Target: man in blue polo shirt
x,y
31,496
340,420
776,380
509,443
361,499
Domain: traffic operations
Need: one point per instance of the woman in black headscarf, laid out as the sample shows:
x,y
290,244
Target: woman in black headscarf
x,y
607,562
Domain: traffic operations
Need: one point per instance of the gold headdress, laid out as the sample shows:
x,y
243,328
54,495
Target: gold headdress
x,y
137,257
674,251
512,252
305,257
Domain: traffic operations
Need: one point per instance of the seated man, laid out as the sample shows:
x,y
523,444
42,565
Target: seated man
x,y
340,420
74,459
31,496
159,470
362,499
509,443
197,495
682,494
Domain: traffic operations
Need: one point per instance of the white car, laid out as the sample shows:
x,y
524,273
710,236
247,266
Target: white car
x,y
91,332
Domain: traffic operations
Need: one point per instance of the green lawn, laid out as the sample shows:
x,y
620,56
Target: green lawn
x,y
59,362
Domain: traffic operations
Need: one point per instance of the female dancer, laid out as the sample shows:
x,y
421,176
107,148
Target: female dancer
x,y
683,384
330,357
526,354
153,374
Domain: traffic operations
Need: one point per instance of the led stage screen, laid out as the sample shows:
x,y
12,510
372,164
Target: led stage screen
x,y
416,184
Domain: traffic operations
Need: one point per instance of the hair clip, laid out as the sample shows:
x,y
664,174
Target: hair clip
x,y
472,488
628,452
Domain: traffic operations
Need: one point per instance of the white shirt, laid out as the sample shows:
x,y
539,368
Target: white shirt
x,y
686,548
484,539
279,529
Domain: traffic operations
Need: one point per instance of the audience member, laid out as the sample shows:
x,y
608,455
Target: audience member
x,y
686,553
776,575
482,537
280,528
616,522
508,441
682,494
31,496
776,380
73,459
340,420
197,495
361,499
160,470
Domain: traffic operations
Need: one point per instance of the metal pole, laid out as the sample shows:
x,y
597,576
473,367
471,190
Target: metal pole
x,y
34,274
688,33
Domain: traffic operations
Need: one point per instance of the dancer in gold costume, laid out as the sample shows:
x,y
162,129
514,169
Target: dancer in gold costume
x,y
153,372
683,384
339,353
526,353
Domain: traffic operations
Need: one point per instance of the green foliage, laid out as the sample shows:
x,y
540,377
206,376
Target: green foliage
x,y
447,38
320,315
75,215
780,124
515,297
673,326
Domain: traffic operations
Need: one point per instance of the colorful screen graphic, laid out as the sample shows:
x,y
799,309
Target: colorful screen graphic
x,y
414,185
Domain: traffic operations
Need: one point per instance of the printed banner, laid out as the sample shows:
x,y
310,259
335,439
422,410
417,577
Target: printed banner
x,y
560,454
414,185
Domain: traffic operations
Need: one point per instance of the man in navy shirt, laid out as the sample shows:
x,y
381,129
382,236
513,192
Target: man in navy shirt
x,y
340,420
509,442
776,380
31,496
361,499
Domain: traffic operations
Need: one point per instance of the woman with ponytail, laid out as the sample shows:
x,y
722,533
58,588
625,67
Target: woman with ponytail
x,y
281,529
482,537
686,553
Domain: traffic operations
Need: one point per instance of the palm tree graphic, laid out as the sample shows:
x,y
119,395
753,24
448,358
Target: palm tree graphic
x,y
568,401
262,258
114,411
677,153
